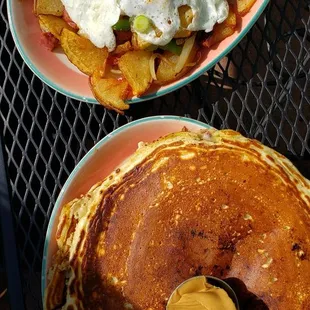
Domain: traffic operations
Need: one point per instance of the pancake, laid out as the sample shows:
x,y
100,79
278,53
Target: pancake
x,y
210,203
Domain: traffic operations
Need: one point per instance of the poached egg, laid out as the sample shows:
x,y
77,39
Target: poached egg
x,y
95,18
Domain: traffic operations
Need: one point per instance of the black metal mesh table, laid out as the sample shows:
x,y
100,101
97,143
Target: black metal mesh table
x,y
260,89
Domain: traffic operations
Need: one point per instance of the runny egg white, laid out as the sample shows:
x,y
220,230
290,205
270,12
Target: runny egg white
x,y
95,18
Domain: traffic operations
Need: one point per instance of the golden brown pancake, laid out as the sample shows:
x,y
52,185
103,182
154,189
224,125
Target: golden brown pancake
x,y
188,204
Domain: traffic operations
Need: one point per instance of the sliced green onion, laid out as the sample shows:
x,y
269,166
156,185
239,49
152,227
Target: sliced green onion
x,y
122,25
142,24
172,47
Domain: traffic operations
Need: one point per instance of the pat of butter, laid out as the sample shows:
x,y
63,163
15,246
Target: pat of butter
x,y
198,294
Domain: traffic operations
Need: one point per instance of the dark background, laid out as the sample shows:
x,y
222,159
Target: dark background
x,y
260,89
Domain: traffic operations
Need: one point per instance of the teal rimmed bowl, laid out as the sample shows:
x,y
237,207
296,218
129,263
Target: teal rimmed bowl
x,y
56,71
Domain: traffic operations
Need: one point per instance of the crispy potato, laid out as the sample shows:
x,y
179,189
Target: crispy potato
x,y
123,48
138,43
52,7
244,6
53,24
223,30
182,33
186,15
82,53
136,69
110,92
231,19
166,71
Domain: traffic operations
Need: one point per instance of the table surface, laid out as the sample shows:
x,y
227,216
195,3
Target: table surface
x,y
260,89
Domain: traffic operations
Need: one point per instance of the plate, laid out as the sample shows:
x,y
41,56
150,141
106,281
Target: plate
x,y
102,159
54,69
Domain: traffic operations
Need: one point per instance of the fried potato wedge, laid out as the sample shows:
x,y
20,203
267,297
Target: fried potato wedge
x,y
231,19
138,43
53,24
82,53
186,15
223,30
110,92
182,33
166,71
52,7
135,66
123,48
244,6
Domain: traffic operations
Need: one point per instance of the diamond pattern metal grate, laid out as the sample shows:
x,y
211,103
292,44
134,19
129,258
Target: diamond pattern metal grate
x,y
262,89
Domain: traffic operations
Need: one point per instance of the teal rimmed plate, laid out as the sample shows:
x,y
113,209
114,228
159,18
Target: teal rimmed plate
x,y
56,71
102,159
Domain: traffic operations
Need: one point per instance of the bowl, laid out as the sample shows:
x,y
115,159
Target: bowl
x,y
102,159
217,282
54,69
227,288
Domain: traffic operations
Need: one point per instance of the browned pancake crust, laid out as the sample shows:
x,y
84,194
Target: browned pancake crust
x,y
221,212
